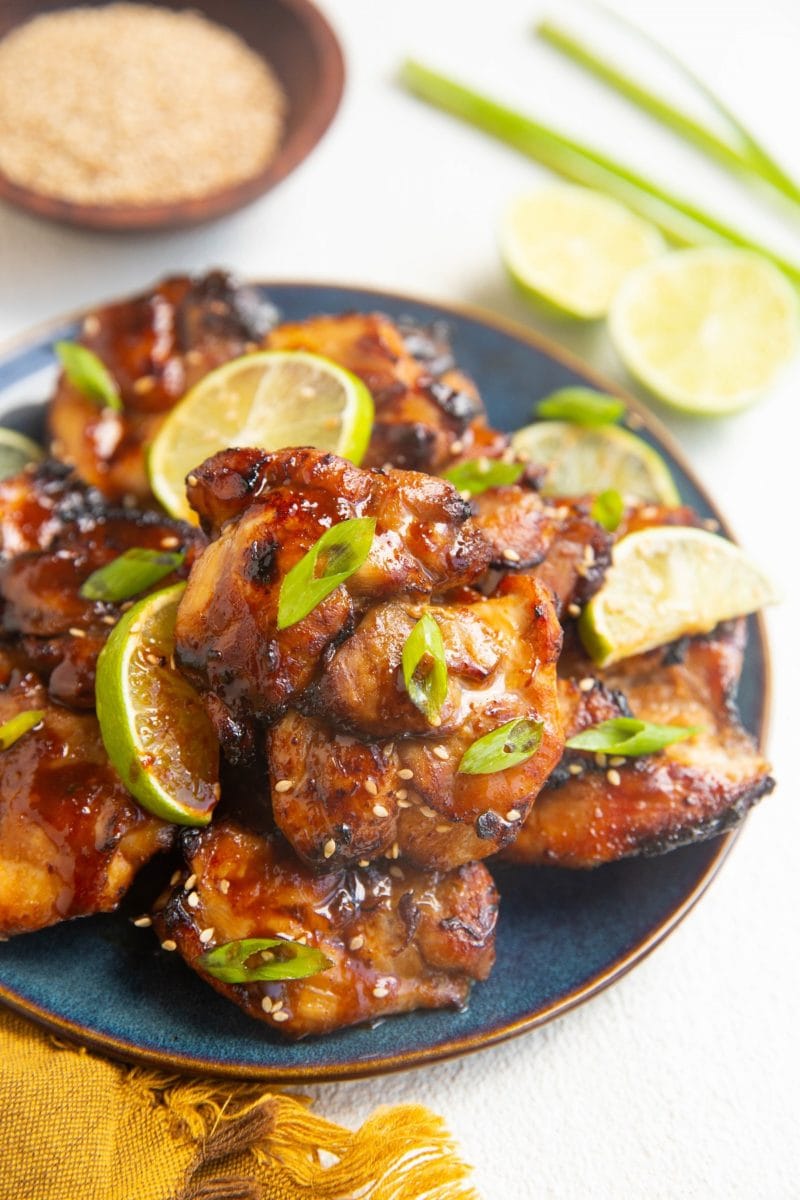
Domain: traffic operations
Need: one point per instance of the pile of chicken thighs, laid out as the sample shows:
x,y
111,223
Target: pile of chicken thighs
x,y
344,823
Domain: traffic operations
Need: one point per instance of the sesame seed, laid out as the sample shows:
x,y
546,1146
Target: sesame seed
x,y
193,900
441,752
155,660
143,922
190,882
456,447
404,803
363,862
435,721
427,812
574,610
614,777
380,810
600,759
281,1015
442,828
388,750
329,848
192,480
586,684
277,1005
174,877
371,786
513,814
356,942
394,852
267,955
402,793
207,935
169,945
598,812
380,991
617,761
266,1004
405,773
397,872
78,633
224,886
108,619
511,555
143,385
170,542
575,768
284,785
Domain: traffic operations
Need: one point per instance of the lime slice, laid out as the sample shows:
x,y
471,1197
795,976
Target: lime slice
x,y
270,399
153,722
570,248
706,330
16,451
665,583
582,459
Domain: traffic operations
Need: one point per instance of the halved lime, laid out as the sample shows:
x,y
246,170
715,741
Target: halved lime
x,y
153,722
667,582
16,451
570,247
706,330
269,399
581,459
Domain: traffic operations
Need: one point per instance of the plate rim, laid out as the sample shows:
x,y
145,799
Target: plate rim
x,y
454,1047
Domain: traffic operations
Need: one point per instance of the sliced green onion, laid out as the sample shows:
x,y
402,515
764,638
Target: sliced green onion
x,y
508,746
425,667
88,374
476,475
133,572
340,552
19,725
629,736
581,406
608,508
229,962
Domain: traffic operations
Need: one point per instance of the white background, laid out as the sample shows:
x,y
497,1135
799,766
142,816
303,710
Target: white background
x,y
682,1080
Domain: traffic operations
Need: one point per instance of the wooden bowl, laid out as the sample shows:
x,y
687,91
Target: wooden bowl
x,y
301,48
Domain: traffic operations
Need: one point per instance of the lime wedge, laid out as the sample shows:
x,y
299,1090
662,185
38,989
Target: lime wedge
x,y
16,451
582,459
667,582
570,248
153,722
706,330
270,399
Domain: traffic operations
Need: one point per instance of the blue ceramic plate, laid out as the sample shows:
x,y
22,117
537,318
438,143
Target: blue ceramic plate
x,y
563,935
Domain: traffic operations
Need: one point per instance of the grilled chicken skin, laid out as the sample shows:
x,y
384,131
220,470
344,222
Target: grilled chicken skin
x,y
56,533
268,511
396,939
594,811
342,793
71,837
156,346
427,414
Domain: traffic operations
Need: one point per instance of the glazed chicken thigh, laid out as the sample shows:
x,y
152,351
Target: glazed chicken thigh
x,y
395,939
356,769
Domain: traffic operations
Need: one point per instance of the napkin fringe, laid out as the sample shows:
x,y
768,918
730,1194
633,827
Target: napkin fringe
x,y
399,1153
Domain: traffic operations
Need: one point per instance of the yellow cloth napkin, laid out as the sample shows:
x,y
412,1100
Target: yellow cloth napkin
x,y
76,1126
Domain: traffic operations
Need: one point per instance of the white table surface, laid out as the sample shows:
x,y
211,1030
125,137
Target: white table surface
x,y
682,1080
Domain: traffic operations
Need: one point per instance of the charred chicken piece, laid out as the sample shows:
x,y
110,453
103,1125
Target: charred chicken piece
x,y
557,541
71,837
396,940
595,811
67,533
269,510
156,346
342,793
426,412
